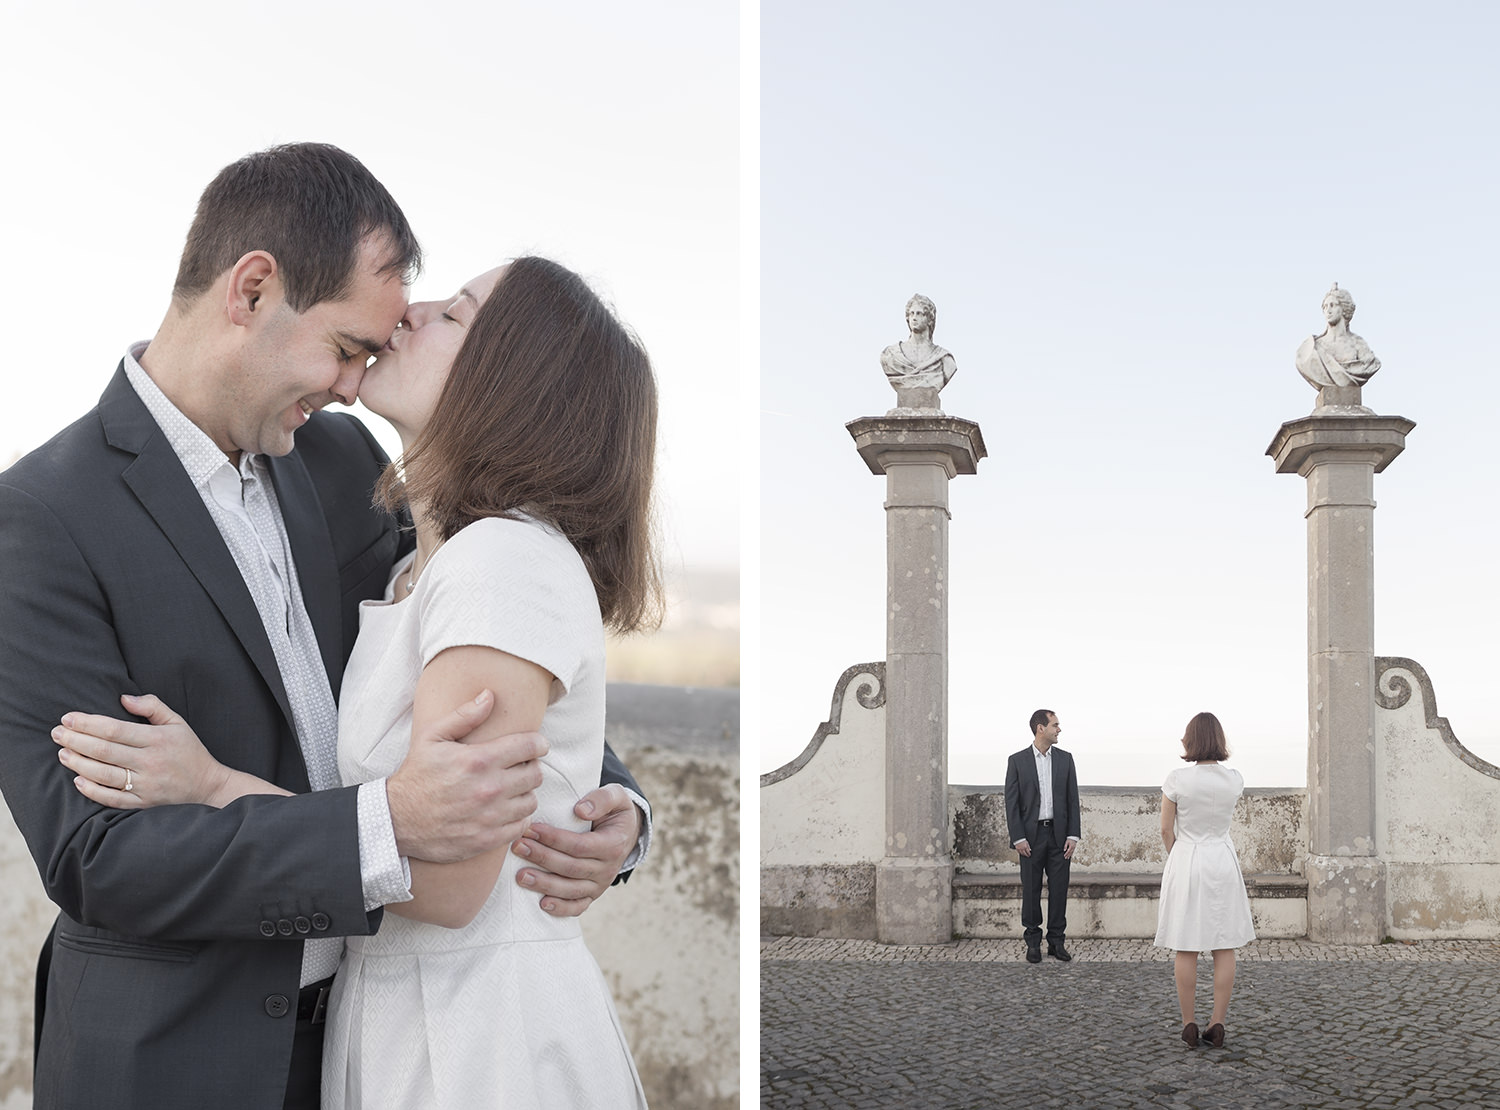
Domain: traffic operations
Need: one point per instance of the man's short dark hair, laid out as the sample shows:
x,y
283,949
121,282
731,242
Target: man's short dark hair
x,y
311,206
1040,718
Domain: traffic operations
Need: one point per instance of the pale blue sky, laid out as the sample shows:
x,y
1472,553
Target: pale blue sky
x,y
602,134
1128,216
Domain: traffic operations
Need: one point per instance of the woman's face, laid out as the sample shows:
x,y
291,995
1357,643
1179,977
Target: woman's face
x,y
404,381
1333,309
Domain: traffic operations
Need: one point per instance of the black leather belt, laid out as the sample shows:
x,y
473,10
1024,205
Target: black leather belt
x,y
312,1001
1047,822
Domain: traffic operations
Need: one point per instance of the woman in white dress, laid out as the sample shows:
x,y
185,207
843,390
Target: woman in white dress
x,y
527,416
1203,903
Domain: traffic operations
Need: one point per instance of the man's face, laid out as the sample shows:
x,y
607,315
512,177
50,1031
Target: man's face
x,y
296,363
1047,735
918,318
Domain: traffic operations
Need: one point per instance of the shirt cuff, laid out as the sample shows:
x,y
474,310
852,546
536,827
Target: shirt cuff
x,y
1074,839
385,873
643,842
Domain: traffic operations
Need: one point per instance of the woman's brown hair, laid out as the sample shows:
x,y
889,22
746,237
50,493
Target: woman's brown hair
x,y
1204,739
549,409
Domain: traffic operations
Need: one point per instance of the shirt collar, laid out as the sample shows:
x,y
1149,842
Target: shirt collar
x,y
200,455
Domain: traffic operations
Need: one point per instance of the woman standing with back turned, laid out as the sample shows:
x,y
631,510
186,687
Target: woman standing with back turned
x,y
1203,903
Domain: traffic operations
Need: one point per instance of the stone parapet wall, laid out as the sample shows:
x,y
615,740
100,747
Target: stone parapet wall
x,y
1121,829
667,941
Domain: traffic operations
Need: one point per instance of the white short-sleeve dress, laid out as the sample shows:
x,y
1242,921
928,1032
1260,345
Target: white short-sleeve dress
x,y
1203,902
511,1010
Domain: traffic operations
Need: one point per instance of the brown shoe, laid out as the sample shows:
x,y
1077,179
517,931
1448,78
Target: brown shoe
x,y
1215,1035
1190,1034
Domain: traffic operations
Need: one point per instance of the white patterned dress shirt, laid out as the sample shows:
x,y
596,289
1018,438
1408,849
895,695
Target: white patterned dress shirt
x,y
242,502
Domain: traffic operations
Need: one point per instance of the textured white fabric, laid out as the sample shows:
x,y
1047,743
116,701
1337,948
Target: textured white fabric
x,y
1203,901
511,1010
243,506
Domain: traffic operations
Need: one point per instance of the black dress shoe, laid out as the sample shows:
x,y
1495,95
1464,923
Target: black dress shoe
x,y
1059,952
1033,953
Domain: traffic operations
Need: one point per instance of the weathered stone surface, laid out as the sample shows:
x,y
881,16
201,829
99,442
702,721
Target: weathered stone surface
x,y
1336,360
668,940
1122,830
1346,901
917,368
828,805
914,901
818,900
1439,815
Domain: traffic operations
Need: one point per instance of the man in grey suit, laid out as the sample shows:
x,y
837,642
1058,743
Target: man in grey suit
x,y
1041,814
175,541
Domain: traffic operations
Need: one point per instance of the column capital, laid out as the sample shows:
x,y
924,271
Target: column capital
x,y
1311,441
948,441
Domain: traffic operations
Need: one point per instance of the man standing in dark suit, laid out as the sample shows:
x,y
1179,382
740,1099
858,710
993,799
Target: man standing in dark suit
x,y
173,541
1041,814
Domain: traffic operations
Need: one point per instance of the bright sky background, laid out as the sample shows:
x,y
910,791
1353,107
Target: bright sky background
x,y
602,134
1128,215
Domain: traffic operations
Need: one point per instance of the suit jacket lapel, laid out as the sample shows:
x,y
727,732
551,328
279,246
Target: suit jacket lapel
x,y
312,551
158,480
1034,779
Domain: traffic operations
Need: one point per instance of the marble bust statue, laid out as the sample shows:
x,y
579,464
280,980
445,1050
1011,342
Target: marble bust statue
x,y
1336,357
918,368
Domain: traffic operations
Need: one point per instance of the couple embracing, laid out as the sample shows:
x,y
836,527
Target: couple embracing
x,y
315,714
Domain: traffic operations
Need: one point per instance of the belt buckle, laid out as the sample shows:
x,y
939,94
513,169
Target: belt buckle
x,y
320,1008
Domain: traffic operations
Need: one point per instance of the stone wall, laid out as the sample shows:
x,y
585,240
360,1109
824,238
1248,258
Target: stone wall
x,y
668,940
822,819
1437,807
1438,815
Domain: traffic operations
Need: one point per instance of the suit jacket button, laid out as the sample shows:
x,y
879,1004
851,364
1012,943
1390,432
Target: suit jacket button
x,y
302,925
320,922
284,927
276,1005
268,928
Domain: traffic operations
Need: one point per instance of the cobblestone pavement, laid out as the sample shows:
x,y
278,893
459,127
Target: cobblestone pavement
x,y
1389,1027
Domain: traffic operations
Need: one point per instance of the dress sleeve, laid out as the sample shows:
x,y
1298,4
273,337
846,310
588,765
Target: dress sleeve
x,y
1172,788
513,585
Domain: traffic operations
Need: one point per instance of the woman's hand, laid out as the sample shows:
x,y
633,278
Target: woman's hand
x,y
127,765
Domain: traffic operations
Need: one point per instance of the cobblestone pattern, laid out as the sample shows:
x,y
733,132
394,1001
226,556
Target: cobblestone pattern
x,y
1392,1027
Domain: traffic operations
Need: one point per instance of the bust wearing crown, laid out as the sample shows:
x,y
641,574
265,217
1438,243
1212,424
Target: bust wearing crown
x,y
917,363
1336,356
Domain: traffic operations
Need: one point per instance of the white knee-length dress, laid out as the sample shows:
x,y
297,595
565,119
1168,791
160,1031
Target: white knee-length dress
x,y
1203,901
510,1011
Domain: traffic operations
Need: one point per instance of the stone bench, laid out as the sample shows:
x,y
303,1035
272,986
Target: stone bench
x,y
1114,904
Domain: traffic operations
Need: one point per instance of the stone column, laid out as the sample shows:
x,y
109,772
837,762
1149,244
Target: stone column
x,y
918,454
1339,449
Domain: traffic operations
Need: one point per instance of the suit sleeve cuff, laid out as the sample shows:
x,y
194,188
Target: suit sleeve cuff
x,y
384,872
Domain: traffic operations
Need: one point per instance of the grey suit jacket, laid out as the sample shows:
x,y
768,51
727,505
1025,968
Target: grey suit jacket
x,y
179,946
1023,797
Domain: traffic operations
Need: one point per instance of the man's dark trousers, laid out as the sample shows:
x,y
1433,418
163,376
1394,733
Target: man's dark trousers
x,y
1046,858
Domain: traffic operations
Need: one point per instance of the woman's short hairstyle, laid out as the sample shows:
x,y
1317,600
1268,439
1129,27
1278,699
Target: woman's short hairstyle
x,y
549,410
1204,739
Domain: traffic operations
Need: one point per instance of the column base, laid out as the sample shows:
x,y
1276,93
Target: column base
x,y
914,901
1346,899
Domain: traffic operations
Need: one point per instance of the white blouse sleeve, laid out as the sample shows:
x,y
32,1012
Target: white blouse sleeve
x,y
1172,787
513,585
